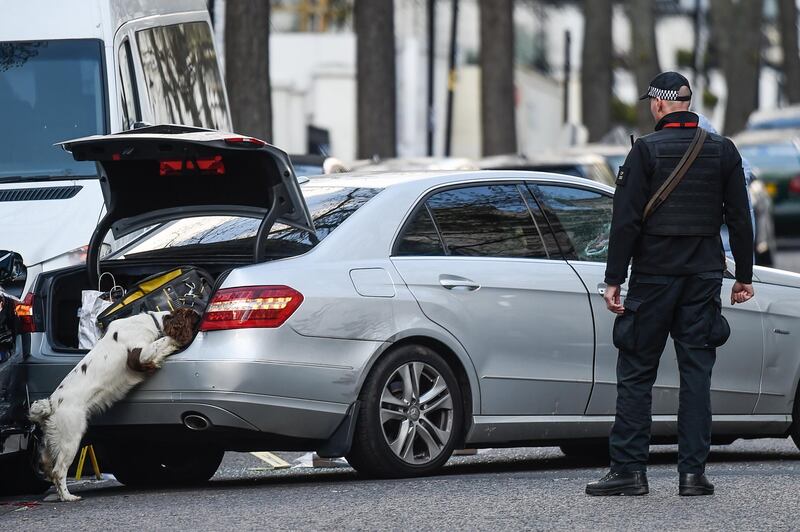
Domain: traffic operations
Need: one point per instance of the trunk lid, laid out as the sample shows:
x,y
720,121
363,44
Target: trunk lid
x,y
162,173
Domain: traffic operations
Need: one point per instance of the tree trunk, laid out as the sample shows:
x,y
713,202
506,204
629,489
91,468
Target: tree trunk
x,y
497,77
376,86
643,55
247,66
787,19
737,34
596,73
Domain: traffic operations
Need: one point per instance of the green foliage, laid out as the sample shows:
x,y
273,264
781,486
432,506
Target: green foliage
x,y
710,99
623,113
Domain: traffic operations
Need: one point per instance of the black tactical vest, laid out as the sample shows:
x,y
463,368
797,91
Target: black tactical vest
x,y
695,206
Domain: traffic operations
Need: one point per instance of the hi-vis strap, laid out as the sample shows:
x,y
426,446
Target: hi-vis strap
x,y
677,174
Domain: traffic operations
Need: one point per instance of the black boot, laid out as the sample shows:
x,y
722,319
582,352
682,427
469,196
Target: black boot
x,y
695,484
618,483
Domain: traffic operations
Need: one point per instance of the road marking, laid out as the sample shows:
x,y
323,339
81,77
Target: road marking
x,y
275,461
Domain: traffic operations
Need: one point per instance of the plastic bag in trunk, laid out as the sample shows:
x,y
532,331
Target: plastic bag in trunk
x,y
93,303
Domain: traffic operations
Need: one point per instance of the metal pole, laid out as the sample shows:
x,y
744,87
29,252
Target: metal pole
x,y
567,72
696,51
431,59
451,80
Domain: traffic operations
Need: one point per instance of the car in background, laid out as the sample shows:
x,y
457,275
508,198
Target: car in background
x,y
314,164
783,118
614,154
411,164
588,166
72,68
775,158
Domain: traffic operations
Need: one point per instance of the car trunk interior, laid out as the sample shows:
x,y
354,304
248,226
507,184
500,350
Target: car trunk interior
x,y
60,291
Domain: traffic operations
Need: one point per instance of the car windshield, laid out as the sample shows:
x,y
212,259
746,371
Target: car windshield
x,y
329,207
783,157
50,91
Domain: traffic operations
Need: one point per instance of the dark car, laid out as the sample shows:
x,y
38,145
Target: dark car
x,y
775,158
587,166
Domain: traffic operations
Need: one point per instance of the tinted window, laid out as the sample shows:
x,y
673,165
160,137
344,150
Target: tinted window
x,y
420,236
584,216
183,81
50,91
486,221
130,101
329,207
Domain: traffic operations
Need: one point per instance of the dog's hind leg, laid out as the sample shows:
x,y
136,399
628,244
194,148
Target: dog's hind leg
x,y
70,433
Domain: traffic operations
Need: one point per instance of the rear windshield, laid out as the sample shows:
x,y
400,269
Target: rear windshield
x,y
770,157
50,91
329,207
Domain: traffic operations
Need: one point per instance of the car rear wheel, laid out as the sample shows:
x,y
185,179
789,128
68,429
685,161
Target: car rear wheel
x,y
411,415
19,475
138,467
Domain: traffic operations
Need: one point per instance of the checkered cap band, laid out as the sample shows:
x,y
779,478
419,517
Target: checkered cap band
x,y
664,94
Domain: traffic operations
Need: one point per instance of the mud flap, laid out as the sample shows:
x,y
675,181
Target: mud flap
x,y
342,438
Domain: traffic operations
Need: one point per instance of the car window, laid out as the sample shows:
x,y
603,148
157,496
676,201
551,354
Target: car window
x,y
584,215
778,156
183,80
420,237
486,221
329,207
50,91
130,100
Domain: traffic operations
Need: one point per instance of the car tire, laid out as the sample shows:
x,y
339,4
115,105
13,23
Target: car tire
x,y
19,476
403,430
138,467
586,450
794,430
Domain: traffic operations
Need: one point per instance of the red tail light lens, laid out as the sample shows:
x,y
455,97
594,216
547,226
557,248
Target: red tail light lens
x,y
24,312
245,141
794,185
251,307
209,166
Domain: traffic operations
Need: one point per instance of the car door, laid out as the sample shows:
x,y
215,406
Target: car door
x,y
475,259
583,216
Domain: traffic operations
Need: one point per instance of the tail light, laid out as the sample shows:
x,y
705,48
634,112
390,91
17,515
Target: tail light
x,y
794,185
251,307
245,141
26,317
208,166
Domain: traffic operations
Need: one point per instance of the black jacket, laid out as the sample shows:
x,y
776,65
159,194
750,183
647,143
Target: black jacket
x,y
676,255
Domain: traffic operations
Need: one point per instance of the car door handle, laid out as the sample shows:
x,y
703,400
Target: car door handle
x,y
453,282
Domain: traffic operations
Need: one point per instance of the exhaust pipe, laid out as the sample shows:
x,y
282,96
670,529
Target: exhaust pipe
x,y
196,422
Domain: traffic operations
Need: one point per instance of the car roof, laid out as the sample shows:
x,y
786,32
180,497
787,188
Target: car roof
x,y
428,179
545,159
790,111
767,136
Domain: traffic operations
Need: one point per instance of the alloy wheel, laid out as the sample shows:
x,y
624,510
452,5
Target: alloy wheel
x,y
416,413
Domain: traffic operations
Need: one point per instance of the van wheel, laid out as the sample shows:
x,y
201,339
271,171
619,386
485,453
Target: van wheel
x,y
137,467
411,415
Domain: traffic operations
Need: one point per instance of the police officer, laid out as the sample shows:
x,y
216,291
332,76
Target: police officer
x,y
678,264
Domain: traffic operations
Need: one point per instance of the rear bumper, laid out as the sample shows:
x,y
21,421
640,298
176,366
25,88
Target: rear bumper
x,y
787,217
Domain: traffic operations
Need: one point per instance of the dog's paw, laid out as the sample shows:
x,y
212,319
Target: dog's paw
x,y
70,498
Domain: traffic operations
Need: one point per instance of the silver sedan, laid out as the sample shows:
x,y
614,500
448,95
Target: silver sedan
x,y
422,312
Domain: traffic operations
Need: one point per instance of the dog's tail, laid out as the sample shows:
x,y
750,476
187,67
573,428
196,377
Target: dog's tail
x,y
40,411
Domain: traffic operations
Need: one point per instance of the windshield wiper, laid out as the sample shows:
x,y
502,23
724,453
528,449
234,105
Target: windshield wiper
x,y
35,178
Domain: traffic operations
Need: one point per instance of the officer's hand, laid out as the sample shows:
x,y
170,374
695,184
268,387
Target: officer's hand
x,y
741,292
612,299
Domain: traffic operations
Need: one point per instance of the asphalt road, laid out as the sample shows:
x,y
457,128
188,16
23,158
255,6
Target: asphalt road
x,y
528,488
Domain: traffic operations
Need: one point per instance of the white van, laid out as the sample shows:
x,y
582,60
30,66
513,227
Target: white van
x,y
68,69
71,68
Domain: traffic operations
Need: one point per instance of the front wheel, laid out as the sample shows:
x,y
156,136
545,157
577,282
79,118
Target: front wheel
x,y
411,415
164,466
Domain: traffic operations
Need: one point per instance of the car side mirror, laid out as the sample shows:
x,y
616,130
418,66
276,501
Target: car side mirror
x,y
13,272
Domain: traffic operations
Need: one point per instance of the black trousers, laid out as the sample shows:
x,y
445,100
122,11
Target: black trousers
x,y
688,308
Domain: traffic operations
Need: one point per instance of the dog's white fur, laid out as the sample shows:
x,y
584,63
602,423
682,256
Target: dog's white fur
x,y
99,380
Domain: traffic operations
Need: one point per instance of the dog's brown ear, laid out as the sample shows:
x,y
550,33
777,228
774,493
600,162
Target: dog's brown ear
x,y
133,359
181,324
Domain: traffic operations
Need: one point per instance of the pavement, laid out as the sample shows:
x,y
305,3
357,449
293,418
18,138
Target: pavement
x,y
520,489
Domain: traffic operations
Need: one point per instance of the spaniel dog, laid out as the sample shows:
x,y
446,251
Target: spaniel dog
x,y
130,349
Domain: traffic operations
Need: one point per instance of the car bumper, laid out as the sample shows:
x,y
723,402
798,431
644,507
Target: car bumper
x,y
787,218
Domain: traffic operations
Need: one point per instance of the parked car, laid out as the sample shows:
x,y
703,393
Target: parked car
x,y
775,157
411,164
587,166
783,118
390,318
86,67
613,154
313,164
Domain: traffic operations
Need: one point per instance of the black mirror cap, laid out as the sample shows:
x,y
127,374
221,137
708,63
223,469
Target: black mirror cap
x,y
13,272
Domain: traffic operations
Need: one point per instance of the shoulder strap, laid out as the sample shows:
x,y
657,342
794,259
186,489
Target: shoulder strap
x,y
677,174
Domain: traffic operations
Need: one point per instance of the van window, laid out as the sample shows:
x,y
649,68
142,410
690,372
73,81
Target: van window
x,y
50,91
182,76
130,100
